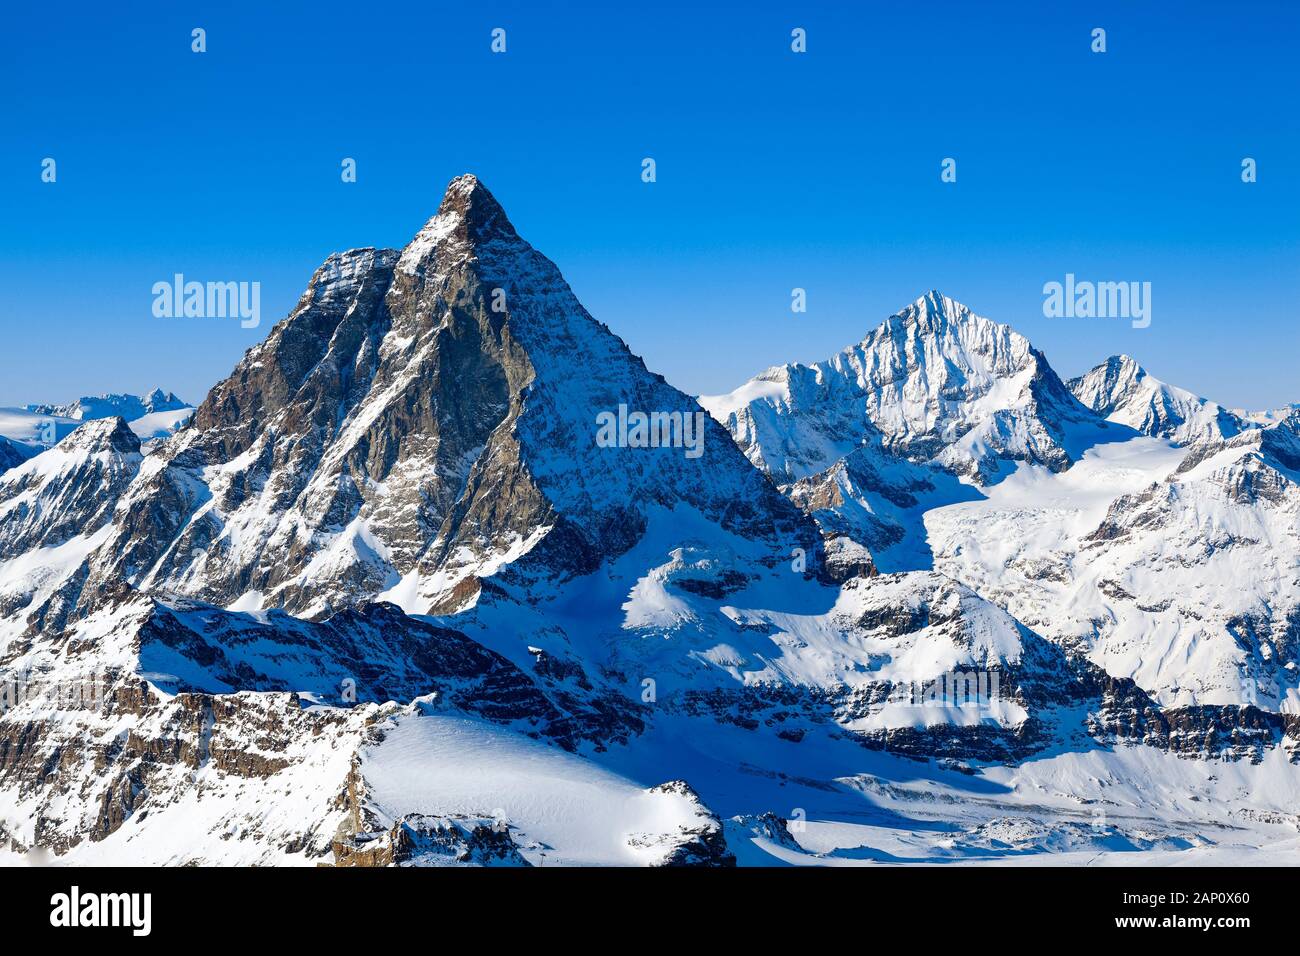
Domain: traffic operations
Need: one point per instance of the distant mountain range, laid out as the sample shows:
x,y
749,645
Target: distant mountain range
x,y
129,407
32,428
1131,551
394,597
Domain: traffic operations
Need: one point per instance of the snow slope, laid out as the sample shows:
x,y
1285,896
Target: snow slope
x,y
1184,577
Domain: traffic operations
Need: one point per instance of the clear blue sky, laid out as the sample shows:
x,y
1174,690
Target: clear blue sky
x,y
775,170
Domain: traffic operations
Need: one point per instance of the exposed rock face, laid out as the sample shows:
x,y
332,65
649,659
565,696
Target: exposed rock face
x,y
69,490
419,839
422,419
377,653
1122,391
367,653
774,828
256,759
702,844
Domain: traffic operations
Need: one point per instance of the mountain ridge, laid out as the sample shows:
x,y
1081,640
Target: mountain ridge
x,y
389,599
1123,391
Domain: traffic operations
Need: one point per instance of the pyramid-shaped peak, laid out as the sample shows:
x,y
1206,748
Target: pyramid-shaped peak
x,y
1100,386
464,189
103,434
936,301
1124,363
935,314
937,318
468,215
935,306
468,200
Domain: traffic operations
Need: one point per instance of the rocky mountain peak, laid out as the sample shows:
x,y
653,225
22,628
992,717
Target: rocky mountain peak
x,y
936,329
159,400
933,382
469,201
1102,388
424,420
103,434
1122,391
69,490
468,216
935,308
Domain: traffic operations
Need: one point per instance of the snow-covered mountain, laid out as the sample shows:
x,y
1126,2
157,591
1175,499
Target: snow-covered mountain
x,y
934,383
129,407
1122,391
69,490
1178,568
424,419
932,405
1175,567
414,588
37,427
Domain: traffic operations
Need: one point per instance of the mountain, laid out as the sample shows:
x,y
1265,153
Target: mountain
x,y
399,437
1267,417
441,574
1122,391
423,426
12,453
1115,546
69,490
932,405
934,383
129,407
37,427
1176,567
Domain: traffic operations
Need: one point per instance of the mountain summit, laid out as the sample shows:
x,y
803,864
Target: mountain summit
x,y
1122,391
425,419
934,383
468,216
441,573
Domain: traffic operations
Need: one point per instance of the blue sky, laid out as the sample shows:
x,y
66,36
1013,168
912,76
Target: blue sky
x,y
775,171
